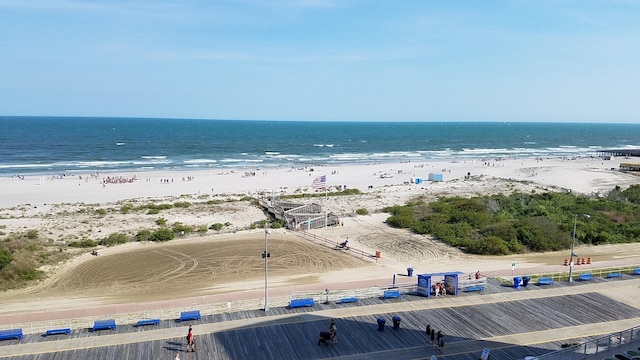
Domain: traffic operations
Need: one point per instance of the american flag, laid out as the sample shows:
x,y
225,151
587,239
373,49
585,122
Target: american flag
x,y
319,182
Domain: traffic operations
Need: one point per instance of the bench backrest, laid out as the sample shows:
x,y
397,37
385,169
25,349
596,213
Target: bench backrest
x,y
11,334
104,324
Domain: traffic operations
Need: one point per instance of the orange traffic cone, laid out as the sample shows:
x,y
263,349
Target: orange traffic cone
x,y
589,260
566,262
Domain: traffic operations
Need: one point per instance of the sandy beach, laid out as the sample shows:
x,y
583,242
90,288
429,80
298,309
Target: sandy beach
x,y
208,266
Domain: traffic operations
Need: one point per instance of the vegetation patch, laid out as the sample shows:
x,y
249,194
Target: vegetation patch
x,y
518,223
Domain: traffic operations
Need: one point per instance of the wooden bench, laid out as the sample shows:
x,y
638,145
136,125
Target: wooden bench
x,y
545,281
614,275
11,334
104,325
347,300
61,331
296,303
585,277
190,315
391,294
145,322
473,288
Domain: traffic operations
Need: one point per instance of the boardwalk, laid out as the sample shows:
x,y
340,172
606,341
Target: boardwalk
x,y
513,323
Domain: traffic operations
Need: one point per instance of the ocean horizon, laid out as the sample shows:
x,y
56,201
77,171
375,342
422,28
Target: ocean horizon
x,y
55,145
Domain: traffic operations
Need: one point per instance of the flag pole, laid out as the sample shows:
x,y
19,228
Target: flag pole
x,y
326,209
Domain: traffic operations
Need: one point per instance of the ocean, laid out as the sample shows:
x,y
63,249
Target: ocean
x,y
54,145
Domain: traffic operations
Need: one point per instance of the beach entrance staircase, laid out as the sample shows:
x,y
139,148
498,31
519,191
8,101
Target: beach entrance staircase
x,y
297,215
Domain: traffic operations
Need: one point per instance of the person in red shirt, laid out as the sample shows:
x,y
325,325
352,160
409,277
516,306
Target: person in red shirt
x,y
190,340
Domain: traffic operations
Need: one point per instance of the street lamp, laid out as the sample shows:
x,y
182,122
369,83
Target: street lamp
x,y
265,256
573,243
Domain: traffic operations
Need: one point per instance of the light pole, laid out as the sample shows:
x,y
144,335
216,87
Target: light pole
x,y
573,244
265,256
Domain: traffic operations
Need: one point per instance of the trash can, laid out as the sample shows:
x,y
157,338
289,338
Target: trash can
x,y
409,271
516,281
396,322
525,280
381,322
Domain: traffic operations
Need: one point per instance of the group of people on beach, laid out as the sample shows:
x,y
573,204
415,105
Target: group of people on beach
x,y
118,180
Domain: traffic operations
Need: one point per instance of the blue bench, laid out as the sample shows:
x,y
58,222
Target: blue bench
x,y
190,315
145,322
391,294
347,300
614,275
545,281
636,271
296,303
585,277
473,288
104,325
61,331
11,334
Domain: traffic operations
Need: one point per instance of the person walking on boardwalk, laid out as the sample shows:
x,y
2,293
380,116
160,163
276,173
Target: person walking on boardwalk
x,y
428,331
333,331
190,340
433,337
440,341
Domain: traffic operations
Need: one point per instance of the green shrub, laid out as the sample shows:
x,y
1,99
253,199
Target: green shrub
x,y
30,273
161,222
362,211
153,211
182,204
179,227
159,206
163,234
84,243
143,235
101,212
202,229
114,239
216,226
5,258
32,234
126,208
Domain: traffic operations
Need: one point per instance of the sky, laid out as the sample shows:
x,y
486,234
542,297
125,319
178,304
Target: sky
x,y
355,60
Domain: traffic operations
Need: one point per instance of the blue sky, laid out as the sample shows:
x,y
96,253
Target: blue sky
x,y
378,60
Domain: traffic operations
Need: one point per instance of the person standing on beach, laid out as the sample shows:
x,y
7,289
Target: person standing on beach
x,y
190,340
